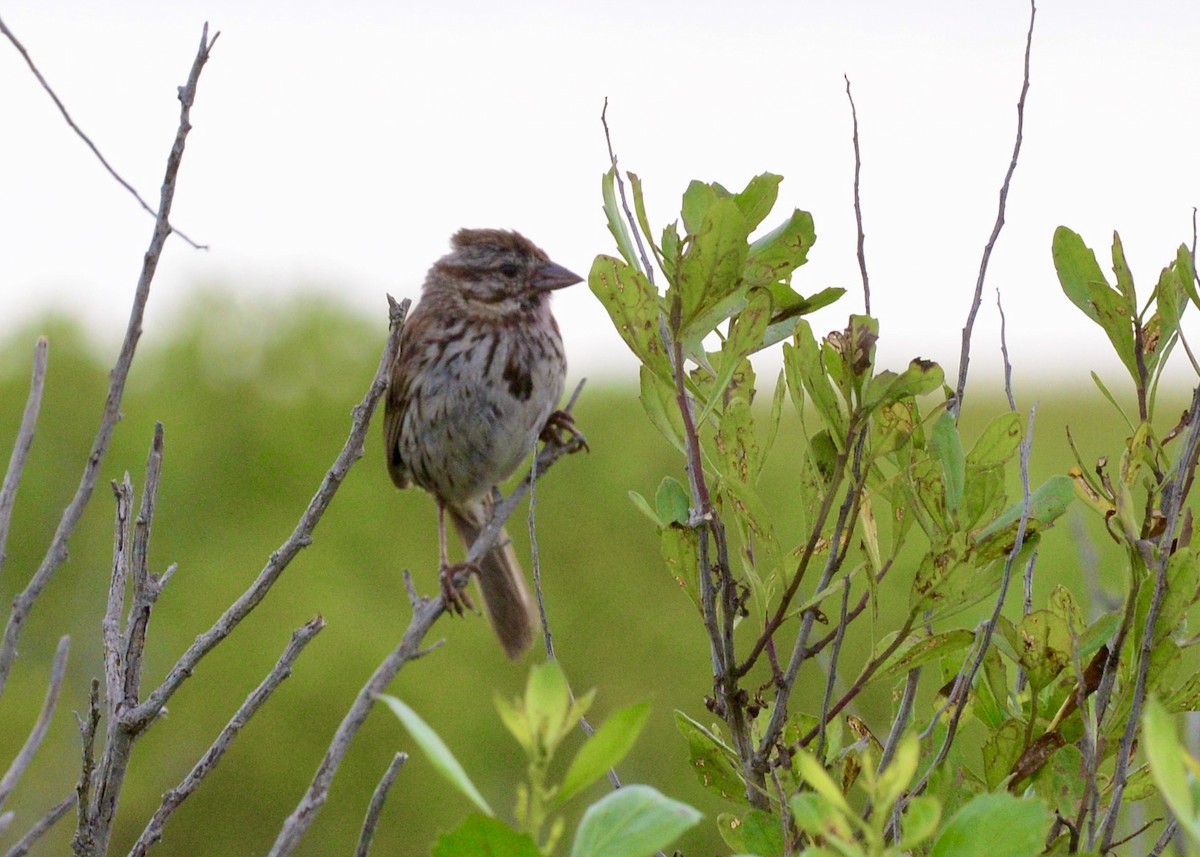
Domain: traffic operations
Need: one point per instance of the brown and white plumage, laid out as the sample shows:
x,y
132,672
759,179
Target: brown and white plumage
x,y
479,372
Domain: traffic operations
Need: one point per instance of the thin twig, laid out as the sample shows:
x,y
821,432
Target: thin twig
x,y
375,807
633,226
858,219
212,757
24,440
964,358
58,671
83,790
300,538
87,140
426,611
1008,390
56,555
51,818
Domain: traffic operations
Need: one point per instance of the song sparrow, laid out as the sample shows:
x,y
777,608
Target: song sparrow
x,y
479,372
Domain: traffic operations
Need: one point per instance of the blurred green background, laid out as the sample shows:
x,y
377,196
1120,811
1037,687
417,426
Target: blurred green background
x,y
255,400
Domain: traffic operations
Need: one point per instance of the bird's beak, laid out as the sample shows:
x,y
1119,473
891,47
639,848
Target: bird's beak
x,y
551,276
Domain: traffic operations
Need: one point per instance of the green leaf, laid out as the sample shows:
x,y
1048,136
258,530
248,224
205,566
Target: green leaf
x,y
946,447
672,502
631,822
774,256
922,648
1046,503
757,200
995,825
756,832
1001,751
1168,766
997,444
819,817
697,199
919,822
1084,284
890,785
605,748
639,208
714,761
815,775
633,306
480,835
1045,646
711,267
1121,269
680,548
659,402
920,378
436,750
616,223
804,366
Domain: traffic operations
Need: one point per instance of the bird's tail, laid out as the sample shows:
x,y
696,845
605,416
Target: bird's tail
x,y
501,580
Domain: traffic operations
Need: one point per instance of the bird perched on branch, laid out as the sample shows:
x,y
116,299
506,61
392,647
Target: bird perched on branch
x,y
477,378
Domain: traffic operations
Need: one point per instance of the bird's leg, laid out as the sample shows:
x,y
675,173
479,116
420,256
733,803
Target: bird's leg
x,y
452,592
560,430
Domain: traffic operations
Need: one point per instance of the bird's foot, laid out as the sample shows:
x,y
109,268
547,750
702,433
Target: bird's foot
x,y
561,431
453,579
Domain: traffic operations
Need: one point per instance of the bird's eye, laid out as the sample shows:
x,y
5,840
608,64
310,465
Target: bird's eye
x,y
509,269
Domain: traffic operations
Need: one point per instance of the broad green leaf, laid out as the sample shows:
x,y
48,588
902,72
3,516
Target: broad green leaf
x,y
481,835
515,720
697,199
1059,783
1121,269
711,267
616,223
633,306
631,822
995,825
997,444
1187,273
774,256
672,502
746,333
946,446
605,748
713,760
1168,766
435,749
920,378
919,821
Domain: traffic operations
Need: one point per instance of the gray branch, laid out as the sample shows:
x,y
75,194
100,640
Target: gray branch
x,y
51,818
176,796
56,555
82,136
375,807
16,463
58,671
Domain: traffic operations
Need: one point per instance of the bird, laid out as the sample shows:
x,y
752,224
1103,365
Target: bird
x,y
478,375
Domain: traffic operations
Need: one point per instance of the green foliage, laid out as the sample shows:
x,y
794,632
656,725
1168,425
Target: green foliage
x,y
627,823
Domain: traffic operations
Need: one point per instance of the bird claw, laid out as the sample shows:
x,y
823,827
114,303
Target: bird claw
x,y
453,579
561,431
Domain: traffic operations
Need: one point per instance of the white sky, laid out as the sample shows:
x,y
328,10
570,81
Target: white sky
x,y
336,149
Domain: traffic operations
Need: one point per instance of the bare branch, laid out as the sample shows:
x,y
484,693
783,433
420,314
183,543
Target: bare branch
x,y
426,611
87,140
176,796
57,671
964,358
83,791
300,538
376,805
57,553
858,219
24,440
21,848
